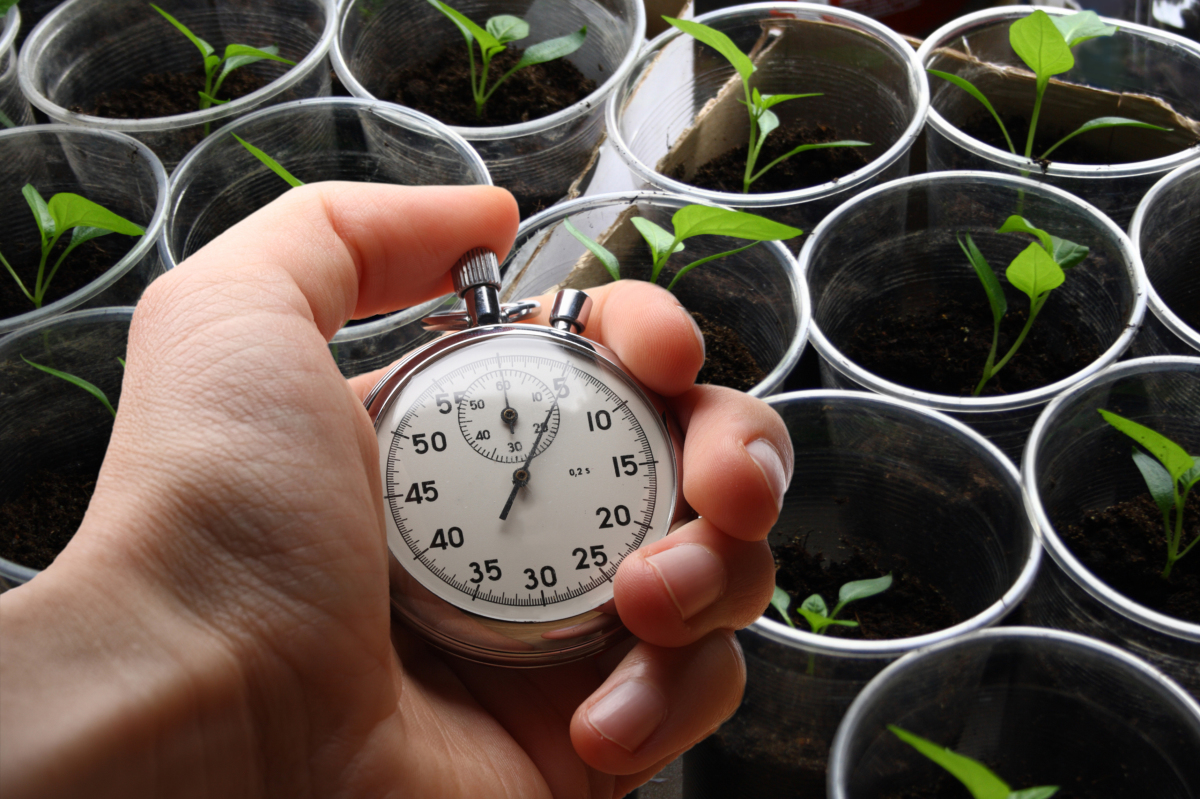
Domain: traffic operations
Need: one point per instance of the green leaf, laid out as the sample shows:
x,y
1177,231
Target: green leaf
x,y
815,604
41,212
75,381
659,240
71,210
1044,792
978,778
1169,454
781,600
204,47
861,589
270,162
486,40
815,620
719,42
770,100
1099,123
804,147
85,233
1040,45
551,49
240,55
595,248
1081,26
210,98
1191,476
6,120
1034,272
697,220
507,28
987,276
1068,254
970,89
767,122
1018,224
1158,481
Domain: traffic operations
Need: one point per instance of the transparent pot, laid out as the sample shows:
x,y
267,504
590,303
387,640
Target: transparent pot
x,y
1166,236
536,160
1035,704
758,294
47,423
114,170
332,138
1138,73
937,500
1076,463
14,109
894,249
678,107
85,48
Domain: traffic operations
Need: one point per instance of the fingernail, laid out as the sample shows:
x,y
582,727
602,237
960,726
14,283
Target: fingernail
x,y
692,575
771,464
695,327
629,714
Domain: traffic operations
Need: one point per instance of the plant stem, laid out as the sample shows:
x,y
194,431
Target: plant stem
x,y
991,359
752,150
1037,109
1034,308
13,272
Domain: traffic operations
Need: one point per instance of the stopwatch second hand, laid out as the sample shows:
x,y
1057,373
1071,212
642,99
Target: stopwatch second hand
x,y
509,414
521,476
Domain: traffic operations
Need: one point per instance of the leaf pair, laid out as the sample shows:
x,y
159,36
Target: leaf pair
x,y
981,781
817,613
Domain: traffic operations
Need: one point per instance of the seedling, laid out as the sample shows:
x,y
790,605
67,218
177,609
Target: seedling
x,y
1044,43
817,613
1037,270
270,162
1169,474
90,388
689,221
492,41
65,212
981,781
762,119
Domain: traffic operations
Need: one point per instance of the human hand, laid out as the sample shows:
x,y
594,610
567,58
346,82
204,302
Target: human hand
x,y
220,624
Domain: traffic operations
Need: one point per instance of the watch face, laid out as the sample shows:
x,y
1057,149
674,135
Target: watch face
x,y
519,469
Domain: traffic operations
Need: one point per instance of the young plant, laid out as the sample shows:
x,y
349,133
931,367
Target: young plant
x,y
762,119
492,41
817,613
689,221
270,162
1037,270
65,212
1169,474
981,781
90,388
1044,43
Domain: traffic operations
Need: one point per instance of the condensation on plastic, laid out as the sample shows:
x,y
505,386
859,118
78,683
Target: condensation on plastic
x,y
114,170
87,47
758,293
898,242
45,422
936,499
874,91
333,138
1076,463
540,157
1137,60
1031,703
13,105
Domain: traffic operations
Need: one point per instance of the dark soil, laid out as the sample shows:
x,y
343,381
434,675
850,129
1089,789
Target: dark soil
x,y
811,168
1125,546
944,352
37,524
909,608
168,94
87,262
1190,314
442,89
727,361
1086,148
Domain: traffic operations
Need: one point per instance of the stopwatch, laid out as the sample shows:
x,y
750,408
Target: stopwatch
x,y
520,465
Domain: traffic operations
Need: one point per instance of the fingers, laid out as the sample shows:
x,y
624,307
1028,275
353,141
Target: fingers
x,y
659,702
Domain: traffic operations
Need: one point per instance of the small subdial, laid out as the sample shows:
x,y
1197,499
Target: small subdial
x,y
503,412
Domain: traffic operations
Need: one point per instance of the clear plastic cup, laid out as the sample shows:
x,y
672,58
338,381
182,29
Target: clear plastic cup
x,y
47,423
874,91
1077,463
938,500
896,244
1137,60
86,47
536,160
14,108
114,170
1026,701
757,293
331,138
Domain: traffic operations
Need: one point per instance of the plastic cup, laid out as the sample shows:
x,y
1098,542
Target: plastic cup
x,y
47,423
757,293
1077,463
13,106
1136,61
896,245
1073,711
114,170
536,160
874,91
938,500
87,47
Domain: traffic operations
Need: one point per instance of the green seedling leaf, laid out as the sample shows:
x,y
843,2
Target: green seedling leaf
x,y
71,210
1018,224
595,248
1044,792
660,241
861,589
805,147
210,98
781,600
1081,26
815,604
1169,454
767,122
766,101
551,49
1041,46
95,391
719,42
981,781
1158,481
507,28
970,89
486,40
270,162
1068,254
987,276
697,220
6,120
240,55
1099,123
81,234
41,212
204,47
1034,272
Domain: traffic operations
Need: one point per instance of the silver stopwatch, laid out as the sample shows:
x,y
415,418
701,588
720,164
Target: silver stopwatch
x,y
521,464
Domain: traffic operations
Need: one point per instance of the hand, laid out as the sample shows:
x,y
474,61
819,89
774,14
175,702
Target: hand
x,y
220,623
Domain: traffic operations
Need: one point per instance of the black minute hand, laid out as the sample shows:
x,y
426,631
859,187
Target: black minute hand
x,y
521,476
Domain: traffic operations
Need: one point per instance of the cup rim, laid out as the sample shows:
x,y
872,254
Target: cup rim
x,y
1057,169
894,647
231,109
140,249
1135,273
12,26
918,84
1082,576
533,126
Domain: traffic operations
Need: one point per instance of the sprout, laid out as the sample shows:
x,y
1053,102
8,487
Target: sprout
x,y
270,162
90,388
816,612
981,781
